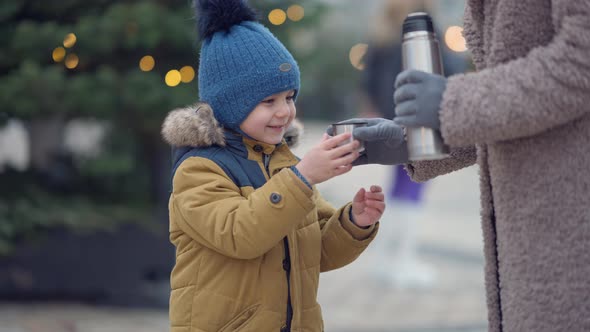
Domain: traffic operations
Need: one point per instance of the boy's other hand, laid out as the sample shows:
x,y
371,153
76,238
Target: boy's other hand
x,y
327,160
368,206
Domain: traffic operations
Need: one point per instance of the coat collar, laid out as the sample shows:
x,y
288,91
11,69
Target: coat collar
x,y
196,126
473,24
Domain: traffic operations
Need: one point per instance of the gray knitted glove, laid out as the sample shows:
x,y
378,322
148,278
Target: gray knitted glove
x,y
384,142
417,99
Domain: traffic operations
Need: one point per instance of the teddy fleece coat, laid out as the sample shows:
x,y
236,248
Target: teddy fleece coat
x,y
525,116
251,237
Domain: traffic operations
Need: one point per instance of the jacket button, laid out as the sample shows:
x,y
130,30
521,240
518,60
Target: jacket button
x,y
286,265
258,148
275,198
284,328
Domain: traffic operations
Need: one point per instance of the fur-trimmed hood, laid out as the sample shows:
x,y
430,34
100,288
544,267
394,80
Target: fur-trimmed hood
x,y
196,126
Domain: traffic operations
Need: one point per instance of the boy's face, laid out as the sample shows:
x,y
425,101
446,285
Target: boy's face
x,y
270,119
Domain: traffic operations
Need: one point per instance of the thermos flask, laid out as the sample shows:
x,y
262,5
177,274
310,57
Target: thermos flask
x,y
420,51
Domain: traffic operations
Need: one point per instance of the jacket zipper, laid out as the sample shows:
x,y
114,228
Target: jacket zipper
x,y
287,260
287,268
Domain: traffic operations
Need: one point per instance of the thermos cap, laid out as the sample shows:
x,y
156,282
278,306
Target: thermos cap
x,y
418,21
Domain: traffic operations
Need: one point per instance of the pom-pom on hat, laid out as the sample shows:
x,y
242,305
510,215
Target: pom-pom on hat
x,y
241,61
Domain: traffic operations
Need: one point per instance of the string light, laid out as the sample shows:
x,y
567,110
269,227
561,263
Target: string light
x,y
356,54
172,78
72,61
70,40
277,16
295,13
58,54
147,63
455,40
187,74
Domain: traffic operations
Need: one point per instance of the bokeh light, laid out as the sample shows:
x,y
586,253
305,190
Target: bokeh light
x,y
187,74
295,13
70,40
455,40
147,63
356,55
72,61
277,16
172,78
58,54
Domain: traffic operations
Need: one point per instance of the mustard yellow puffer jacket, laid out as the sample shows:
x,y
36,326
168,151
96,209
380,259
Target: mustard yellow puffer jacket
x,y
251,238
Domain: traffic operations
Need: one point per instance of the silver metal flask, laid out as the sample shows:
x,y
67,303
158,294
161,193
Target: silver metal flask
x,y
420,51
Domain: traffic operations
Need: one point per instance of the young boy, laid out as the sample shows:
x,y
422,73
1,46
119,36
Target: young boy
x,y
252,234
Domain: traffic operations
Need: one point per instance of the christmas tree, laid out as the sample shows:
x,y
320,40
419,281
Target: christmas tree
x,y
121,66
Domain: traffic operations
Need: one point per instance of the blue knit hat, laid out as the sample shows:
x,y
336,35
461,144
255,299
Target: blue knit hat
x,y
241,62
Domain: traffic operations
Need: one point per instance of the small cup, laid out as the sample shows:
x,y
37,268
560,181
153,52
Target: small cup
x,y
341,128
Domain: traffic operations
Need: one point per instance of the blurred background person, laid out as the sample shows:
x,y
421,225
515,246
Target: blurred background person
x,y
396,248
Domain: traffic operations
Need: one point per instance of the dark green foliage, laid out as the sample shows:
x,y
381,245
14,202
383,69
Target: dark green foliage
x,y
124,183
129,181
112,36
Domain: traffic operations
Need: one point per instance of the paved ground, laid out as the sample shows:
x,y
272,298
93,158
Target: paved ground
x,y
448,237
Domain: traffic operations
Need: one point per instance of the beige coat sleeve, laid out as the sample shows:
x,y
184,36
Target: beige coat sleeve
x,y
342,241
527,96
421,171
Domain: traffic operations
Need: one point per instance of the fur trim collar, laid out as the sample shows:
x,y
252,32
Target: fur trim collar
x,y
196,126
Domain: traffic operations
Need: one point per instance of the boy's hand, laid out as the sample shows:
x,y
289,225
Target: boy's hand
x,y
384,140
368,207
327,160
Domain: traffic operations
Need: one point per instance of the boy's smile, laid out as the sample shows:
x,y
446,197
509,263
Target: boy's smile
x,y
270,119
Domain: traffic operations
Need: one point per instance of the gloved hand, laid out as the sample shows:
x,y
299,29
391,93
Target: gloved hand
x,y
417,98
384,140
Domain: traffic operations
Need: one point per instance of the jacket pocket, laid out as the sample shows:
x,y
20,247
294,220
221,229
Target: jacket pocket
x,y
241,320
181,306
309,239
